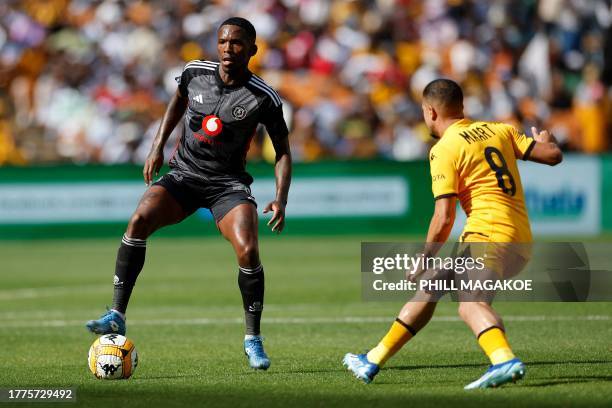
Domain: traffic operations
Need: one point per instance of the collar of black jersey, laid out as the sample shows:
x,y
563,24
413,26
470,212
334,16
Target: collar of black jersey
x,y
223,85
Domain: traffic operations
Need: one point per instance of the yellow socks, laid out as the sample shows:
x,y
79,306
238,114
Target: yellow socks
x,y
495,345
396,337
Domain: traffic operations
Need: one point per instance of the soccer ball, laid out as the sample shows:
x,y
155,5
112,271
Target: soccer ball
x,y
112,357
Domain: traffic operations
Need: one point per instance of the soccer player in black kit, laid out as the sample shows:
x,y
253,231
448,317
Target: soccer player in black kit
x,y
223,103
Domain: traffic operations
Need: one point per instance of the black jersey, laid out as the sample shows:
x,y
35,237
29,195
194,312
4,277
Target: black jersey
x,y
221,120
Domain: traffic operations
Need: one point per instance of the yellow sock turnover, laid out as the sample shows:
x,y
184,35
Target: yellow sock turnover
x,y
495,345
396,337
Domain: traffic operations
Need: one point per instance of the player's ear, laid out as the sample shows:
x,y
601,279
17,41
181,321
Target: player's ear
x,y
432,112
253,50
429,111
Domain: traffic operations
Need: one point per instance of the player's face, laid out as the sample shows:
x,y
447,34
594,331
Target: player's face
x,y
234,48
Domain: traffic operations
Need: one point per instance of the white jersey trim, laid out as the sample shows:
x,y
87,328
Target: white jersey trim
x,y
262,86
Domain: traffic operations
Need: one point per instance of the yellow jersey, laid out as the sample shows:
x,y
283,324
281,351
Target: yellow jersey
x,y
476,161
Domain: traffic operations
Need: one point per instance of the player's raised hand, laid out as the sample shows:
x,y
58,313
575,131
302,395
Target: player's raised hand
x,y
278,217
154,162
543,136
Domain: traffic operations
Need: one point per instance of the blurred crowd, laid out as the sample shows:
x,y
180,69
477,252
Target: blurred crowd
x,y
87,81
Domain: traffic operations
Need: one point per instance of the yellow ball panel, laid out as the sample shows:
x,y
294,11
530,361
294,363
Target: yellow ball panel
x,y
127,364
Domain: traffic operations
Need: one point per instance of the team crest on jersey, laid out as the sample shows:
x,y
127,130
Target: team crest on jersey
x,y
239,112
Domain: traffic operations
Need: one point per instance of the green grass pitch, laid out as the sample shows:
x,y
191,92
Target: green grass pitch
x,y
186,321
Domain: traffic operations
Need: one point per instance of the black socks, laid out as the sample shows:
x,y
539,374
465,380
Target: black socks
x,y
251,283
130,260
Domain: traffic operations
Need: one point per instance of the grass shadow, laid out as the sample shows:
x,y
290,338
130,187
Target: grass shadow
x,y
565,380
469,365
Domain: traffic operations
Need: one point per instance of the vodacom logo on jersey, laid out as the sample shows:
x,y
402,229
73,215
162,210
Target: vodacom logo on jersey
x,y
211,127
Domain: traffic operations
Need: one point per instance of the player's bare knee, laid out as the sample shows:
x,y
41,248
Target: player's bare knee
x,y
140,226
248,255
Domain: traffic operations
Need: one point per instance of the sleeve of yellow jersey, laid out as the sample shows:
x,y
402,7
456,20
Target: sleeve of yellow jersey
x,y
521,143
444,179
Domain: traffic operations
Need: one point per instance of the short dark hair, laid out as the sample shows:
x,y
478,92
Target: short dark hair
x,y
243,23
445,92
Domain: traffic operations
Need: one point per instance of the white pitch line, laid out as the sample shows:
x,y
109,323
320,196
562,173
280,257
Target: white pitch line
x,y
34,293
289,320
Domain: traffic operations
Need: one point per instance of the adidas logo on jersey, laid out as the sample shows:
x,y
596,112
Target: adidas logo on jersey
x,y
198,98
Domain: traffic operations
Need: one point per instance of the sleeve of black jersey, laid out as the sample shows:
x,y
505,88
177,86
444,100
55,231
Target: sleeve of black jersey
x,y
183,81
273,120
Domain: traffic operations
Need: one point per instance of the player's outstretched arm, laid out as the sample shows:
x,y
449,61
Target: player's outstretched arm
x,y
282,172
155,159
546,150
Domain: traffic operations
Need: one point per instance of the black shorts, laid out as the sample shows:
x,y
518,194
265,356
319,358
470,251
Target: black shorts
x,y
220,196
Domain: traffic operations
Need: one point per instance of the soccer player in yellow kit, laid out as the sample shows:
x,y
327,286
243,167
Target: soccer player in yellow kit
x,y
476,163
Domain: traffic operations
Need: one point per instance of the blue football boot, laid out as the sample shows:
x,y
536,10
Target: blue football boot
x,y
359,365
253,349
500,374
109,323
